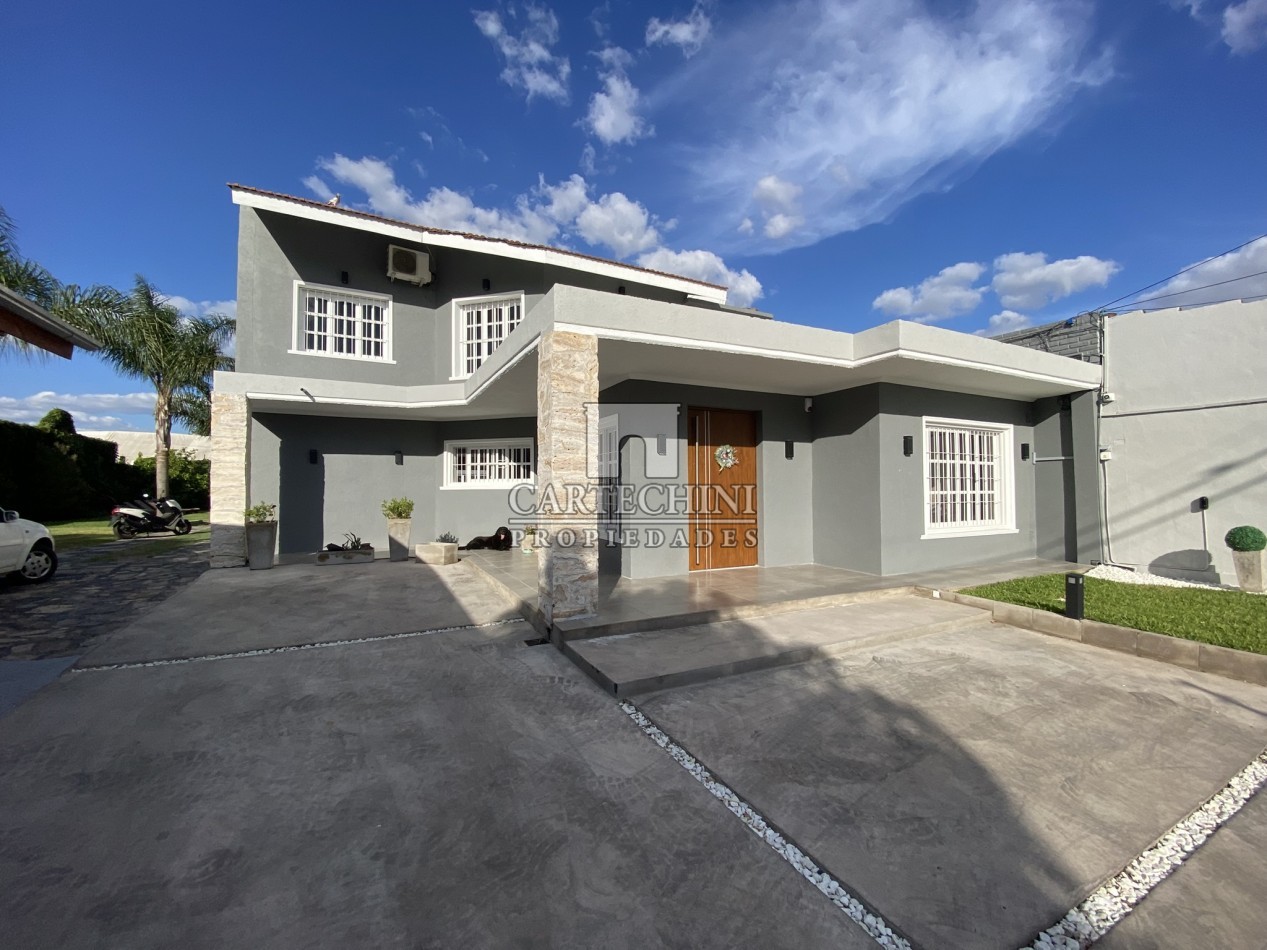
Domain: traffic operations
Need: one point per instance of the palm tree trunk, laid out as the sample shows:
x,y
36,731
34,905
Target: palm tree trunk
x,y
162,441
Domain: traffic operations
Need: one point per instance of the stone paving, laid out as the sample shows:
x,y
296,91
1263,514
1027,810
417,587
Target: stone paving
x,y
96,590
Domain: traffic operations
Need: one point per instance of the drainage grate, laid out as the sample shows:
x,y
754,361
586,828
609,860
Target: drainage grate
x,y
536,642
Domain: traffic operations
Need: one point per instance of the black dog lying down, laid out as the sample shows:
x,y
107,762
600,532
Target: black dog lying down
x,y
500,540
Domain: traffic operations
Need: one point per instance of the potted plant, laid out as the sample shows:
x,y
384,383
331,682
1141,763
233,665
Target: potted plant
x,y
352,551
398,512
443,550
261,536
529,542
1247,544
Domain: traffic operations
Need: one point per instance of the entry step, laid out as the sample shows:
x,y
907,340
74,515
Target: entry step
x,y
648,660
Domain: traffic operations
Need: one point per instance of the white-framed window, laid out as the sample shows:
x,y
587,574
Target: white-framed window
x,y
480,325
488,463
969,478
334,321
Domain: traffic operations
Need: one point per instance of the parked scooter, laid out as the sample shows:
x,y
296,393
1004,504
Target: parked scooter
x,y
144,516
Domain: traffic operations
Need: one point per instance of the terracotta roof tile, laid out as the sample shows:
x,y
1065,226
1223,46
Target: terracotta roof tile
x,y
510,242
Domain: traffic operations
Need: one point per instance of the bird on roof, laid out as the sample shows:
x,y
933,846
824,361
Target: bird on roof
x,y
334,202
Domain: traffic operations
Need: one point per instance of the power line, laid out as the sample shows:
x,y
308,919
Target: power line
x,y
1192,290
1180,273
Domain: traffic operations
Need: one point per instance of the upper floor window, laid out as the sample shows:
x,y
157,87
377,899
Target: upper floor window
x,y
337,322
480,325
969,478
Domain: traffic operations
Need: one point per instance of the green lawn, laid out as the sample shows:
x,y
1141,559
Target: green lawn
x,y
1225,618
70,535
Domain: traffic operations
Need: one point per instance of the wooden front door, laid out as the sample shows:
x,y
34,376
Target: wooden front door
x,y
723,520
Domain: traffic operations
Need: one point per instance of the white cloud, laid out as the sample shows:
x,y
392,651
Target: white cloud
x,y
744,289
548,213
687,34
1005,322
1028,281
613,112
1239,275
318,187
867,103
1245,26
946,294
530,63
779,201
200,308
91,410
619,223
746,226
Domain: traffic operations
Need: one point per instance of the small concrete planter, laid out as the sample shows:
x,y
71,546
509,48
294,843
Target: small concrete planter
x,y
398,538
362,556
437,552
261,543
1249,570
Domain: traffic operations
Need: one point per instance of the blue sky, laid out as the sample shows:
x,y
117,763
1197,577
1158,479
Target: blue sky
x,y
838,163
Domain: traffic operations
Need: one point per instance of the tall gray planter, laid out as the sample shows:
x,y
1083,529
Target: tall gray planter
x,y
261,543
398,538
1249,570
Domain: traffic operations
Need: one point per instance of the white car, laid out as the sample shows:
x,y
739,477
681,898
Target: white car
x,y
26,549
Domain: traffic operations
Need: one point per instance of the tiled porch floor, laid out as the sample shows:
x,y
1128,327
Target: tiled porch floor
x,y
624,600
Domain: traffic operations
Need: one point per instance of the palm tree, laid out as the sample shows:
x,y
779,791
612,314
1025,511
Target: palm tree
x,y
145,336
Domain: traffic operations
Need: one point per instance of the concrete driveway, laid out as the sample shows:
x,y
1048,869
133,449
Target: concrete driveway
x,y
288,759
442,790
973,786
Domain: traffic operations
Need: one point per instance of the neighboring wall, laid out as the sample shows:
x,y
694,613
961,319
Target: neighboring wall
x,y
1189,398
356,471
1188,420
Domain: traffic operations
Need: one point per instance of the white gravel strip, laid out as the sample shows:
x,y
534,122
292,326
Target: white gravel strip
x,y
267,651
872,923
1121,575
1117,897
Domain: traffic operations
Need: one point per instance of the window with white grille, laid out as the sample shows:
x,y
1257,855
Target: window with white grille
x,y
968,478
480,326
488,464
330,322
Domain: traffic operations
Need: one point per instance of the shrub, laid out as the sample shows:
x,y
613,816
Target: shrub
x,y
447,538
188,477
1245,538
57,421
261,513
398,508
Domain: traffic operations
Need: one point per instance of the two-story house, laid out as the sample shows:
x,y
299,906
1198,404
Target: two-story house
x,y
502,383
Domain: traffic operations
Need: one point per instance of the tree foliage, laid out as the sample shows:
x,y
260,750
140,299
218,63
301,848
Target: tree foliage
x,y
57,421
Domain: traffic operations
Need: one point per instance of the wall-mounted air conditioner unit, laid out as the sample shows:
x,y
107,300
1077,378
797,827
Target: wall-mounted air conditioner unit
x,y
405,263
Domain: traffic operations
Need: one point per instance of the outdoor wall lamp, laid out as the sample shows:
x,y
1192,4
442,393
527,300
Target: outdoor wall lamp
x,y
908,445
486,284
400,458
314,457
1024,451
789,449
661,444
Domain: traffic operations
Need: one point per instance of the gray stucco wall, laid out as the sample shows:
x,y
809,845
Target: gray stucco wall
x,y
902,482
869,496
1187,421
356,470
275,250
846,472
785,519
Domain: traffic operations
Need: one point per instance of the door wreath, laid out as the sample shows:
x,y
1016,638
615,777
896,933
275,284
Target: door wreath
x,y
726,457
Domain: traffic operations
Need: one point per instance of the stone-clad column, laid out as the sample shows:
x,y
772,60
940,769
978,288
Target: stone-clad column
x,y
230,472
567,495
